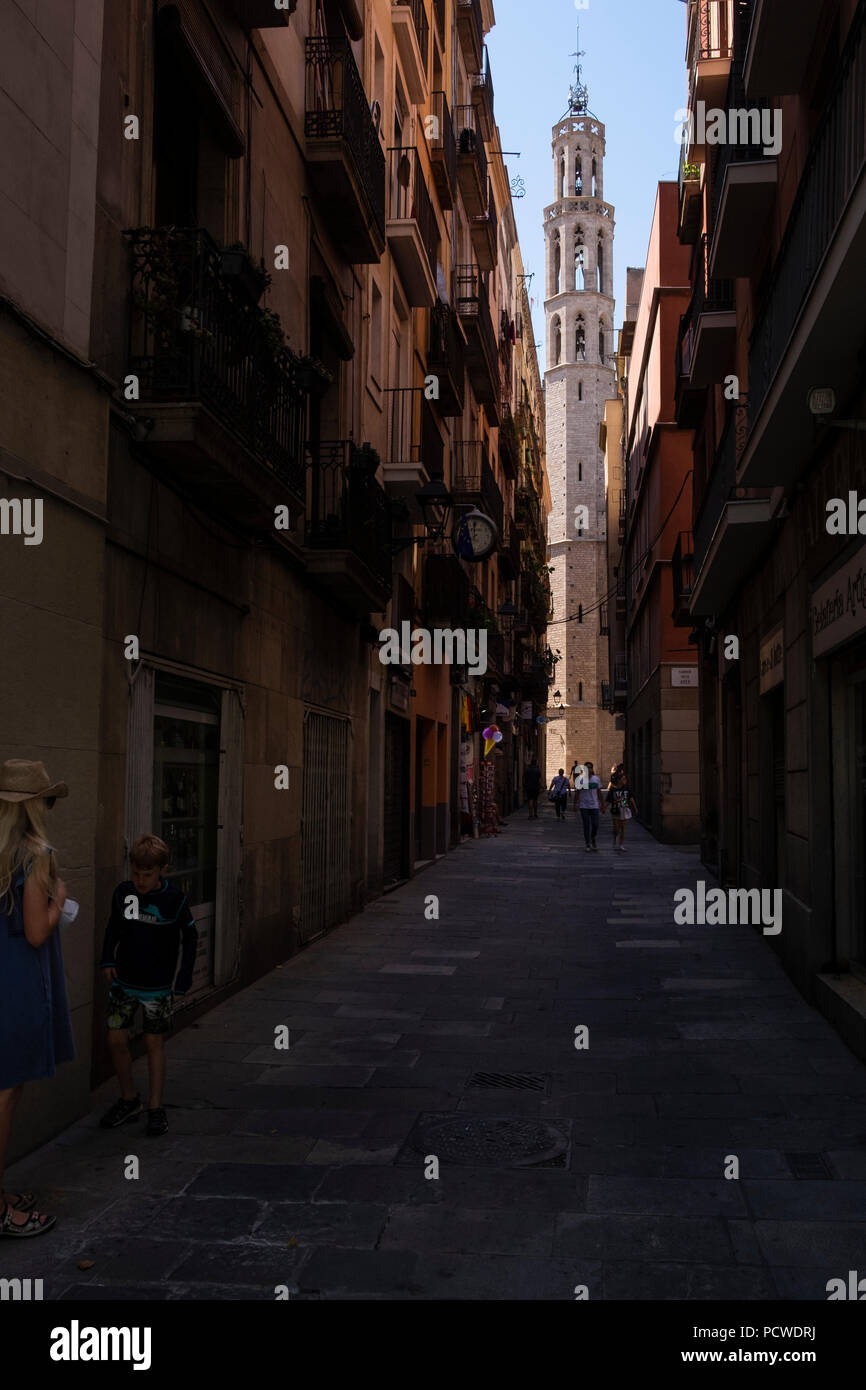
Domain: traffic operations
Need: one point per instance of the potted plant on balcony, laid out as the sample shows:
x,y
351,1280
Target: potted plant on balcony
x,y
238,266
315,376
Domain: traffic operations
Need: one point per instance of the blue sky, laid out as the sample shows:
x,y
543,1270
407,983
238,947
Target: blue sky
x,y
634,66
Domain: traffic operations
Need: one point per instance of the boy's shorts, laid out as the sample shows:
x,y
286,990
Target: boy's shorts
x,y
123,1007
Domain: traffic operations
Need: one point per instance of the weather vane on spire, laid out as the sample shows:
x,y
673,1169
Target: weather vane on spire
x,y
578,93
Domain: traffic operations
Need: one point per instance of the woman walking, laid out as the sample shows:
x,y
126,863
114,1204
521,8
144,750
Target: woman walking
x,y
558,793
587,803
35,1029
622,805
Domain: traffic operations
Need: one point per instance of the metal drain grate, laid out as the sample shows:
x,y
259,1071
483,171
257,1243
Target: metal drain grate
x,y
506,1081
492,1141
814,1166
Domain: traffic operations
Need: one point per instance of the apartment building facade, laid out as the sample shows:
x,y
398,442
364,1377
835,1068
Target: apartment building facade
x,y
661,706
770,378
298,351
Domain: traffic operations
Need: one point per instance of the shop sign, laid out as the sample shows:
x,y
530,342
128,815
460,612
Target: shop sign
x,y
684,675
837,610
772,661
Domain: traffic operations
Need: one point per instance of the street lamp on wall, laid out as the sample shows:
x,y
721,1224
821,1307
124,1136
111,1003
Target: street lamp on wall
x,y
435,503
557,699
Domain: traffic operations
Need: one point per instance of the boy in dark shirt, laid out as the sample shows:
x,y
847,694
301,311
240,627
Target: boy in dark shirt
x,y
149,918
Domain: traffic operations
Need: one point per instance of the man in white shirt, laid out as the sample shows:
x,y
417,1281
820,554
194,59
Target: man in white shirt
x,y
587,789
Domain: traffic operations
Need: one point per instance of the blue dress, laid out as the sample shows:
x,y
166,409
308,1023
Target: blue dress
x,y
35,1028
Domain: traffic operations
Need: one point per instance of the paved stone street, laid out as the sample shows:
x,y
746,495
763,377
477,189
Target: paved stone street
x,y
298,1167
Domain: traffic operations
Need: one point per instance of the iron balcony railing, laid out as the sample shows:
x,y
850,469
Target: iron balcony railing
x,y
195,335
474,306
711,35
337,108
470,26
736,152
473,476
718,491
443,148
683,569
603,620
347,509
620,677
404,424
446,357
470,140
832,171
710,296
606,695
422,27
482,82
410,200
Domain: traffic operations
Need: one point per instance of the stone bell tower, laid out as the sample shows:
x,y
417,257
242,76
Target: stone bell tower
x,y
580,376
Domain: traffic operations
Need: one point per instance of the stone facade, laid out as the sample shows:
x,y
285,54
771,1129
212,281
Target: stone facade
x,y
579,308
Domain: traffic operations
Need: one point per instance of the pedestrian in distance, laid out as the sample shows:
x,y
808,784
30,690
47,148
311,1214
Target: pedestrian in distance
x,y
622,805
587,797
35,1027
558,793
150,919
532,786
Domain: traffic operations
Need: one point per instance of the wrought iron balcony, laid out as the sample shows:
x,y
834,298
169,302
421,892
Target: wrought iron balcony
x,y
484,231
470,31
412,33
446,359
509,448
690,202
228,399
732,527
471,160
348,527
482,97
482,356
711,48
744,185
473,482
682,578
509,550
808,329
606,695
413,233
443,151
404,470
347,165
705,345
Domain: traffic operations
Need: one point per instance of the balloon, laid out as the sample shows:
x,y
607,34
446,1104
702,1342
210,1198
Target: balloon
x,y
497,737
491,732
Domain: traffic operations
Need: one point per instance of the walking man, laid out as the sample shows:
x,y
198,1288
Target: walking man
x,y
532,786
559,788
588,805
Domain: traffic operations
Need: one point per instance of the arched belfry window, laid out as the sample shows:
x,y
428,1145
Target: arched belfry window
x,y
601,341
580,339
562,177
594,177
578,174
557,263
600,265
556,343
579,260
580,390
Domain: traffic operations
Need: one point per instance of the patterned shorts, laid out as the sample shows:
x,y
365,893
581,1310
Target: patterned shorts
x,y
123,1007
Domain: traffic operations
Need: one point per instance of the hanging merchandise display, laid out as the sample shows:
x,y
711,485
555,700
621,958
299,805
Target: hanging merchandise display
x,y
489,816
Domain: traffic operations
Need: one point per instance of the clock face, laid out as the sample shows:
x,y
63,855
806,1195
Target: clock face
x,y
474,536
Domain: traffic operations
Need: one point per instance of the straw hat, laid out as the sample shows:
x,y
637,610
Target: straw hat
x,y
21,780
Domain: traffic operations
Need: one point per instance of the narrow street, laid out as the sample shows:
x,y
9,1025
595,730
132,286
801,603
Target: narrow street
x,y
299,1167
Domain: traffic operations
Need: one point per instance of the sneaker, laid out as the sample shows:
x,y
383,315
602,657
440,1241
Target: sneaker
x,y
121,1111
622,849
157,1121
587,849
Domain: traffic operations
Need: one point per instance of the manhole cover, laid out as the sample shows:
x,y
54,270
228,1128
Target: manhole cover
x,y
809,1166
490,1140
506,1081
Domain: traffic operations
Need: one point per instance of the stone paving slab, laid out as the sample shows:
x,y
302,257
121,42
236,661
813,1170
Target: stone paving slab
x,y
294,1168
